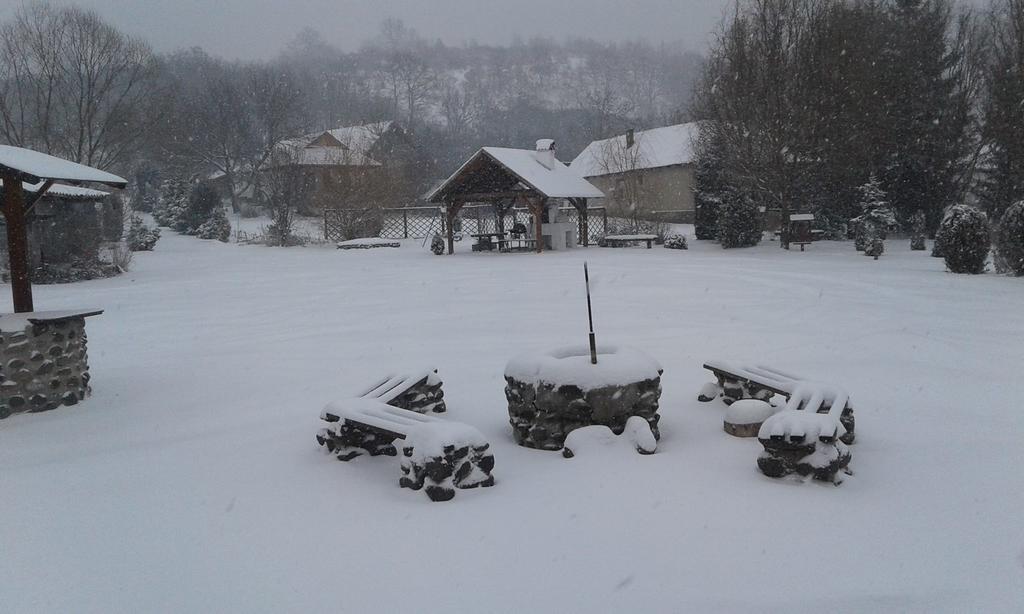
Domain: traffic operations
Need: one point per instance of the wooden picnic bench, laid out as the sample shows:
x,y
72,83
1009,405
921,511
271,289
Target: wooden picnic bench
x,y
485,241
525,244
626,240
437,455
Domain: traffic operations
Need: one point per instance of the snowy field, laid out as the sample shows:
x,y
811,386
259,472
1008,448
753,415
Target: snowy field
x,y
191,480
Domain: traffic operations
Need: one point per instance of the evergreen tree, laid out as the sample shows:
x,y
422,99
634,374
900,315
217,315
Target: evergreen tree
x,y
876,216
964,239
172,202
1002,170
203,201
710,185
216,227
1010,239
739,222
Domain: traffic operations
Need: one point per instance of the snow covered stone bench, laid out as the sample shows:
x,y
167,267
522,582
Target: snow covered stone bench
x,y
735,382
437,456
625,240
638,434
368,243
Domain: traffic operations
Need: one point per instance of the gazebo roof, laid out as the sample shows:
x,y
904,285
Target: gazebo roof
x,y
500,169
61,190
35,167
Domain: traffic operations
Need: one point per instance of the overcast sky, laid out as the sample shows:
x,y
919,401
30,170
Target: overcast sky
x,y
260,28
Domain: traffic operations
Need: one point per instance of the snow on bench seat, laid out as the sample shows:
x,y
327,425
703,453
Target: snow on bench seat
x,y
368,243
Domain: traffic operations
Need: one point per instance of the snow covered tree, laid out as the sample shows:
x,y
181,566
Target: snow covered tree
x,y
918,232
964,239
172,202
1010,239
437,245
739,222
876,215
216,226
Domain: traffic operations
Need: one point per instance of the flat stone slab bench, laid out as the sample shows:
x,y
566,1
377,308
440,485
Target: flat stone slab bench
x,y
808,437
735,382
624,240
438,456
369,243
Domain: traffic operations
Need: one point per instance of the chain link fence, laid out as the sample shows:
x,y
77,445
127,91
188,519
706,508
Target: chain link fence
x,y
424,222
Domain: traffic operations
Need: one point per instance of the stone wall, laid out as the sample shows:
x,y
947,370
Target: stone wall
x,y
43,367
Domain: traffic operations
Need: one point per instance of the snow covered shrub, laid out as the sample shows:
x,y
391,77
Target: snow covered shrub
x,y
141,238
964,239
875,247
710,189
739,222
876,215
216,227
917,233
1010,239
437,245
202,202
675,242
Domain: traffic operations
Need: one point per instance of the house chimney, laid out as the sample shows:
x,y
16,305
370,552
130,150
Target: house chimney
x,y
630,138
546,153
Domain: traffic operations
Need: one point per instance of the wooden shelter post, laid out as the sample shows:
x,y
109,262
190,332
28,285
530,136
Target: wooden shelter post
x,y
17,242
536,206
584,219
451,211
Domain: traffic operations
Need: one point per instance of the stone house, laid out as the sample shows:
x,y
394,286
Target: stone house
x,y
647,173
354,167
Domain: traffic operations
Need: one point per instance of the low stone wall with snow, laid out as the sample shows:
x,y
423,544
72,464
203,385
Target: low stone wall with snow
x,y
552,394
43,366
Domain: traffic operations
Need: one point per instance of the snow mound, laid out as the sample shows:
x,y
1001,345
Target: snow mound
x,y
598,437
749,411
570,366
430,440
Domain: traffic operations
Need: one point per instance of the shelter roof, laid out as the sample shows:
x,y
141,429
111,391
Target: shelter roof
x,y
35,167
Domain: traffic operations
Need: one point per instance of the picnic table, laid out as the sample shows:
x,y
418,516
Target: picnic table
x,y
624,240
485,241
516,243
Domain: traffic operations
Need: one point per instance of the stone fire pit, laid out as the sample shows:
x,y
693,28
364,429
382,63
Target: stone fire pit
x,y
43,361
550,394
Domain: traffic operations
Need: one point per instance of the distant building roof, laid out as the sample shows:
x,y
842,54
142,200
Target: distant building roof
x,y
35,166
655,148
558,181
347,146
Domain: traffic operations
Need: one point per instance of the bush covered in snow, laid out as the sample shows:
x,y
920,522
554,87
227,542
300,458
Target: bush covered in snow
x,y
1010,239
203,201
739,222
964,239
437,245
675,242
216,226
141,238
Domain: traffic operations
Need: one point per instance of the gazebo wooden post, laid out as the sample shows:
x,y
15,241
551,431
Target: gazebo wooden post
x,y
451,211
17,242
537,205
584,219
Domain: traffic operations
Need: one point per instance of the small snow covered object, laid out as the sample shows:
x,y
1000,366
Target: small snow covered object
x,y
744,417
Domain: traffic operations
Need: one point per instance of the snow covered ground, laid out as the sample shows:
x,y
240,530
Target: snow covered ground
x,y
191,481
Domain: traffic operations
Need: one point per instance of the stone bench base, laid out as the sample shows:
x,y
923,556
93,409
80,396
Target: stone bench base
x,y
439,475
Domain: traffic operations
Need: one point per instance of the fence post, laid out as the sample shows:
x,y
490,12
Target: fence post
x,y
405,223
604,216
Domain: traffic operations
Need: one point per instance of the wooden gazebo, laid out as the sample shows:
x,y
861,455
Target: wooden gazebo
x,y
508,177
41,172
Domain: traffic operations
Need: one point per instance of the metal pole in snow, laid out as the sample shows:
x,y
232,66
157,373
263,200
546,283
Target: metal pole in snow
x,y
590,317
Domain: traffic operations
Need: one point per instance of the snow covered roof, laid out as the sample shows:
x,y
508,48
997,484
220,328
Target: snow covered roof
x,y
352,149
36,166
655,148
559,181
60,189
